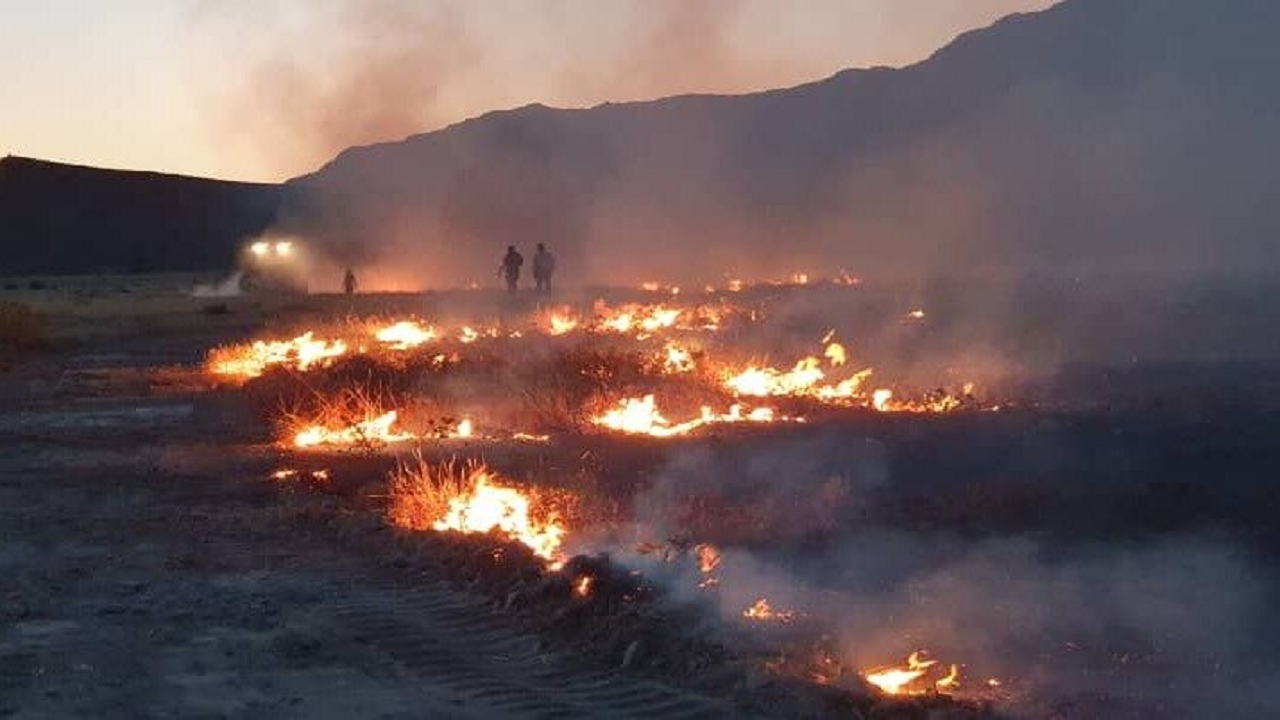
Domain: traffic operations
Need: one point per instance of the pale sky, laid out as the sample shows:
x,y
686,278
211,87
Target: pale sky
x,y
269,89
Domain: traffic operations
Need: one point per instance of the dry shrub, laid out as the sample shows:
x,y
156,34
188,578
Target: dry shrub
x,y
420,491
563,393
345,408
22,330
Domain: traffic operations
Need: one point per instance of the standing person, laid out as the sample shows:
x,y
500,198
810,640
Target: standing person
x,y
349,282
510,268
544,264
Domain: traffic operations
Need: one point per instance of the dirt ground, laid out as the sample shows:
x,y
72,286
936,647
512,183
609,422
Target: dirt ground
x,y
148,569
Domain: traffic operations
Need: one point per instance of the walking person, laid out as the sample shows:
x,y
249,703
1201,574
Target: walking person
x,y
510,268
349,282
544,265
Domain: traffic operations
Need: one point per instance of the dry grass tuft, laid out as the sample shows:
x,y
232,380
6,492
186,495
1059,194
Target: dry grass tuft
x,y
420,490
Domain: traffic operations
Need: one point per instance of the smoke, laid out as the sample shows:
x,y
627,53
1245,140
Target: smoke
x,y
1164,625
229,287
348,74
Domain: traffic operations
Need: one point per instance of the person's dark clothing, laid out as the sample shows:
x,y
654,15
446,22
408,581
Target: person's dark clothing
x,y
349,282
511,264
544,265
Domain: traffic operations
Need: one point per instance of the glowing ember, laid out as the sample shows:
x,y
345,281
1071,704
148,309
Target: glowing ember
x,y
917,677
764,612
916,315
486,506
405,335
250,361
468,335
371,431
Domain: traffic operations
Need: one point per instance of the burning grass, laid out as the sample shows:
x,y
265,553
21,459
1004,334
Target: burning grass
x,y
657,370
469,498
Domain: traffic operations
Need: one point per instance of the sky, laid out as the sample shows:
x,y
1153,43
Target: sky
x,y
270,89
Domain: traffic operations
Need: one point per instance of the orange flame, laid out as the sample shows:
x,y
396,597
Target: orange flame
x,y
375,430
405,335
250,361
764,612
913,678
486,506
640,416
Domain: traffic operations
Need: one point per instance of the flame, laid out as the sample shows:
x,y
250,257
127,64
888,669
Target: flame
x,y
486,506
836,354
880,399
405,335
764,612
916,314
643,320
560,322
371,431
582,586
765,381
708,563
913,678
250,361
640,416
465,429
677,359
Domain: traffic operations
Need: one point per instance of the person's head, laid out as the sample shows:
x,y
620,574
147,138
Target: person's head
x,y
511,248
542,248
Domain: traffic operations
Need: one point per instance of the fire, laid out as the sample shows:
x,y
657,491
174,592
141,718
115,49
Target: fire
x,y
916,314
250,361
766,381
708,563
486,506
764,612
560,322
914,678
405,335
465,429
582,586
640,416
375,430
644,320
880,399
677,360
836,354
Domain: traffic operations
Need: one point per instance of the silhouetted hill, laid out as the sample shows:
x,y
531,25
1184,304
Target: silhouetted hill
x,y
67,219
1097,136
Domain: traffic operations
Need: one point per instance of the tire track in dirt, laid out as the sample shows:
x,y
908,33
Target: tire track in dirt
x,y
442,633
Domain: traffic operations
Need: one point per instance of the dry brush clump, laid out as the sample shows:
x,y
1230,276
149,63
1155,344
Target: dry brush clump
x,y
420,491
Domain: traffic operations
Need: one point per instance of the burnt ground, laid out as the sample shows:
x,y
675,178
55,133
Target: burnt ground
x,y
150,569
